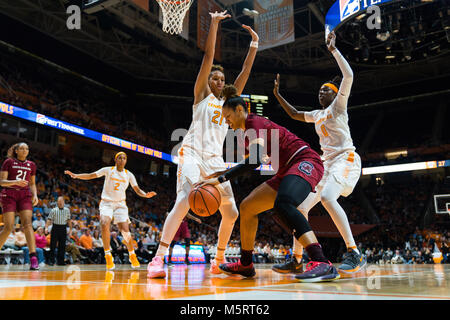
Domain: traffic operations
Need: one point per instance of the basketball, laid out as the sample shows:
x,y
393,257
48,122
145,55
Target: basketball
x,y
204,200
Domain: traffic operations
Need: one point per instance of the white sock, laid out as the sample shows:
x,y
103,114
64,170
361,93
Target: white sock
x,y
130,252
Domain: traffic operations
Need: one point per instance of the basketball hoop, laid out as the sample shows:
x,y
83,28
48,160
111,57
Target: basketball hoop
x,y
173,12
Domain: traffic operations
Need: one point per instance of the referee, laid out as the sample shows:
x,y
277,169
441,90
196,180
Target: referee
x,y
58,217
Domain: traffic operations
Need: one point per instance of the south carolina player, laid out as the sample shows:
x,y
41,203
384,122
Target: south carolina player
x,y
201,151
342,164
113,204
19,194
299,171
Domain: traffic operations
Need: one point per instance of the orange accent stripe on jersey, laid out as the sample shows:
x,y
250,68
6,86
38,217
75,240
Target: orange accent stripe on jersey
x,y
181,151
351,157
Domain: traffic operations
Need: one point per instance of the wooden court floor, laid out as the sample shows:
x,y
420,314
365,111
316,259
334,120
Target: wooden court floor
x,y
194,282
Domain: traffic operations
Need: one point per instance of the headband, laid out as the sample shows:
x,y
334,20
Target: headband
x,y
118,154
331,86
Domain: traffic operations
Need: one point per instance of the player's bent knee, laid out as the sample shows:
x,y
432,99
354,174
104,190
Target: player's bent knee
x,y
287,215
245,209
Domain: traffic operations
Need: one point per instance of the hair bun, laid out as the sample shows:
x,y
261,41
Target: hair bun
x,y
229,91
337,80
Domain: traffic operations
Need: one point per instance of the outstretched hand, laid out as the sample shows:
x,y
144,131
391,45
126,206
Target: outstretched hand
x,y
331,41
150,194
276,85
252,32
71,174
219,16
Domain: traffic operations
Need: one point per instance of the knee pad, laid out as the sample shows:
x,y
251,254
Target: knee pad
x,y
187,243
292,220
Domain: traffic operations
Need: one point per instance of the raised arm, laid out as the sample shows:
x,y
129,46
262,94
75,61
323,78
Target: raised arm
x,y
290,110
347,74
242,78
81,176
201,88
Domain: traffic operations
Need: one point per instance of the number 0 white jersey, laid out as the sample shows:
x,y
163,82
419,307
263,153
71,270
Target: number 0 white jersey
x,y
208,128
116,183
332,127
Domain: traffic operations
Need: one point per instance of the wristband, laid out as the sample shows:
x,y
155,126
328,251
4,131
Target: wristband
x,y
254,44
221,179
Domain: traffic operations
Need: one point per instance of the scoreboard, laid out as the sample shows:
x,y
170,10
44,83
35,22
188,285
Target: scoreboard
x,y
255,103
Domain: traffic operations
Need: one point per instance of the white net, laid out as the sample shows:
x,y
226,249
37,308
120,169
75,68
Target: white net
x,y
173,14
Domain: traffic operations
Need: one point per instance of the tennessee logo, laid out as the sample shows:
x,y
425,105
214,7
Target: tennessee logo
x,y
306,167
348,7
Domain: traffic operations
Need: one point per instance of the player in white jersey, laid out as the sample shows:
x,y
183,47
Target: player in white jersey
x,y
201,151
342,165
113,206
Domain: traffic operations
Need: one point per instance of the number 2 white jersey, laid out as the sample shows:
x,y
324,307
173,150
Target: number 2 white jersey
x,y
116,183
208,129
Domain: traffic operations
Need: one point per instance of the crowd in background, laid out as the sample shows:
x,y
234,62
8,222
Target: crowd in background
x,y
33,87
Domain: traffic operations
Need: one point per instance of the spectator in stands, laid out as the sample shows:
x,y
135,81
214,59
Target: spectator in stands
x,y
445,252
10,241
142,253
41,243
427,256
73,250
397,258
39,222
117,248
268,253
21,241
86,241
97,243
408,257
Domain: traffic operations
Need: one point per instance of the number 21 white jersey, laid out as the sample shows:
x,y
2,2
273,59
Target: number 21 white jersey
x,y
208,128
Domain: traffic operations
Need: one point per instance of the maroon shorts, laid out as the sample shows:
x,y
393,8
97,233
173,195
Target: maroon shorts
x,y
183,232
13,200
306,164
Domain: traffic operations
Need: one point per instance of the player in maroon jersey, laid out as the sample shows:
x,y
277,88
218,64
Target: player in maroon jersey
x,y
19,194
299,171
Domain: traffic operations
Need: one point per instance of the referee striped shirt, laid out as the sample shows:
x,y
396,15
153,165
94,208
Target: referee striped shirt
x,y
59,216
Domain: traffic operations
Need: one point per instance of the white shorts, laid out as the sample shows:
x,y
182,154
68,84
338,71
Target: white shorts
x,y
345,168
192,168
117,211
